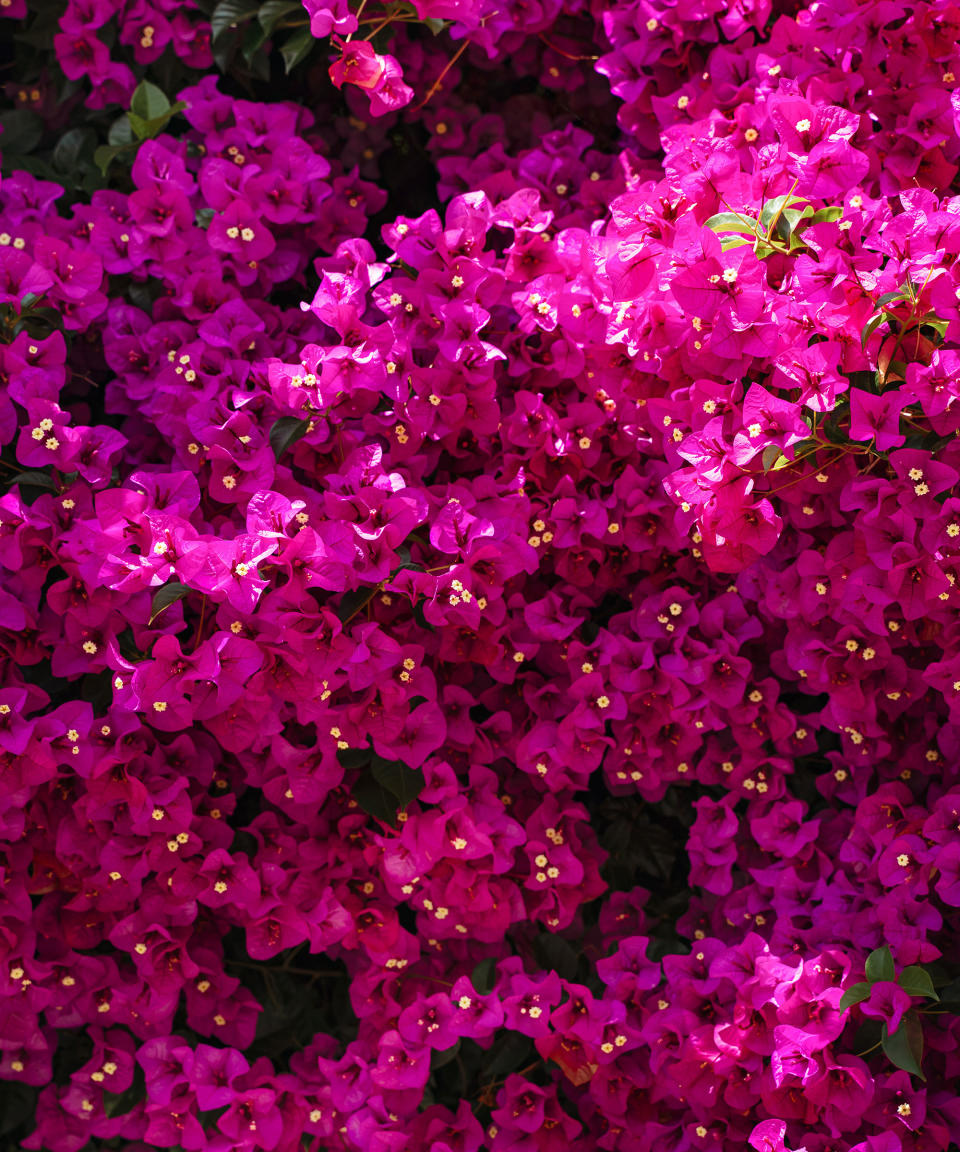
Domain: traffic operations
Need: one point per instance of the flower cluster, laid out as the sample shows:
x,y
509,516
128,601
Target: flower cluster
x,y
478,577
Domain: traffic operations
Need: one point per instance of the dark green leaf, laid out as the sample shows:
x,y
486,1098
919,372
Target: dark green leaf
x,y
555,953
204,216
296,49
286,432
252,41
354,757
128,646
274,11
224,49
879,965
41,32
120,1103
148,101
35,480
484,975
374,799
22,132
508,1056
889,297
259,64
831,426
915,981
230,13
855,994
18,1104
97,689
905,1047
400,781
444,1056
165,596
435,24
351,603
74,148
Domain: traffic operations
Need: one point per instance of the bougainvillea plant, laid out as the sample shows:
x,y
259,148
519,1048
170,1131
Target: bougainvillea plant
x,y
479,543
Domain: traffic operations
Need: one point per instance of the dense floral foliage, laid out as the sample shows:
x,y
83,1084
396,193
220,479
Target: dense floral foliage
x,y
479,541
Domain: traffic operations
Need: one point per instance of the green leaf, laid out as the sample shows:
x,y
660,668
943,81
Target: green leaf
x,y
274,11
41,32
286,432
443,1056
224,49
203,217
771,454
915,981
105,156
732,241
374,799
22,132
73,149
165,596
870,327
732,222
18,1104
296,49
354,757
939,326
351,602
148,101
855,994
120,132
827,215
230,13
898,295
556,954
35,479
763,249
507,1056
772,209
148,129
483,977
141,127
252,41
879,965
905,1047
435,24
789,219
800,449
404,783
259,63
120,1103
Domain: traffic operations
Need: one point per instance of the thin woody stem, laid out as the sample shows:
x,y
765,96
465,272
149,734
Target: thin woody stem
x,y
560,51
438,83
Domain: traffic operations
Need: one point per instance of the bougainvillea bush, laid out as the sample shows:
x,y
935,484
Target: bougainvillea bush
x,y
479,535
